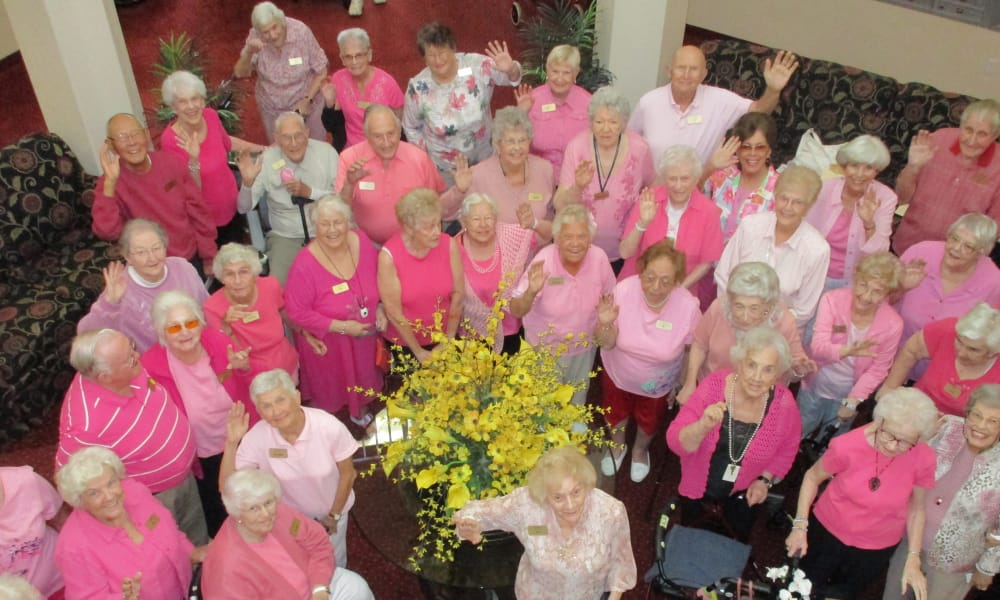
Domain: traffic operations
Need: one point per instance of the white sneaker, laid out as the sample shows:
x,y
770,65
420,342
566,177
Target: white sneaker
x,y
610,464
379,1
357,6
638,471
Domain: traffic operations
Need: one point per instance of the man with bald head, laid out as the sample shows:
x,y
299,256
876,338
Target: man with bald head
x,y
687,112
374,174
137,182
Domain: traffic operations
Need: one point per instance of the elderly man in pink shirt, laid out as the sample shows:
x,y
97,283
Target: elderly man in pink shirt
x,y
949,173
377,172
113,402
687,112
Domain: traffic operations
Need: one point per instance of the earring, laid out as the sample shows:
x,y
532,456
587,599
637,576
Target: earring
x,y
239,521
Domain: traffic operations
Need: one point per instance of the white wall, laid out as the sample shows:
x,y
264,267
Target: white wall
x,y
905,44
8,44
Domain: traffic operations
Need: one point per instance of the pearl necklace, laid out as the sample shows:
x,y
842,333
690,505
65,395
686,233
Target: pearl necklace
x,y
472,260
732,402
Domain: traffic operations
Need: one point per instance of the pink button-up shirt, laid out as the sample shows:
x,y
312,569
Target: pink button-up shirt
x,y
557,121
488,178
285,74
382,89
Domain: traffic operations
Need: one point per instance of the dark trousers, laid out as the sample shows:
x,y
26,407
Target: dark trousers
x,y
733,509
837,569
208,491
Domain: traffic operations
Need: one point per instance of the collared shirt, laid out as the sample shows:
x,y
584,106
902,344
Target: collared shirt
x,y
801,261
556,122
285,74
703,125
307,468
947,187
375,195
381,89
318,170
488,178
27,543
146,430
723,187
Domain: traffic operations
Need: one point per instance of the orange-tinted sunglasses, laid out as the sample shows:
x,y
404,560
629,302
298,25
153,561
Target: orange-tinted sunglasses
x,y
176,327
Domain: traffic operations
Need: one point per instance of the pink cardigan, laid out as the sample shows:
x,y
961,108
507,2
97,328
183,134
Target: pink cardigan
x,y
773,448
234,571
833,320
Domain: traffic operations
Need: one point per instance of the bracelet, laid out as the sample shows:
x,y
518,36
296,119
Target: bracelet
x,y
768,482
987,573
640,228
851,405
322,588
913,553
802,529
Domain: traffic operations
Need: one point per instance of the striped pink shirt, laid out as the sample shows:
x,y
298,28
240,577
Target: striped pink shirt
x,y
147,430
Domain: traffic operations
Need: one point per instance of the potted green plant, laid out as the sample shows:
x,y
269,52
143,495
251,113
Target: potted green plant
x,y
562,22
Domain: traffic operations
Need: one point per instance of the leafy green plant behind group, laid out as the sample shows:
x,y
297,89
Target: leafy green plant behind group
x,y
562,22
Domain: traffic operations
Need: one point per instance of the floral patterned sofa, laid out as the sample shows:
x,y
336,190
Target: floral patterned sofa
x,y
838,101
50,273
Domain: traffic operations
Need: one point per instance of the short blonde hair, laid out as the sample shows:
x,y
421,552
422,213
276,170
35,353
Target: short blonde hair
x,y
82,467
554,467
566,55
798,175
418,203
880,266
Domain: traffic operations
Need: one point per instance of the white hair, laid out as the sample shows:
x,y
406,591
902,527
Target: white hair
x,y
84,466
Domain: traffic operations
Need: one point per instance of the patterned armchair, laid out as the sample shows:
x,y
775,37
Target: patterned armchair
x,y
50,273
839,102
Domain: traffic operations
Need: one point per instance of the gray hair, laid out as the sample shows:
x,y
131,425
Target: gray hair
x,y
573,213
374,109
909,407
987,394
511,117
83,353
168,300
864,150
755,279
270,380
760,338
15,587
354,33
247,487
474,199
680,154
180,82
610,98
983,228
290,116
328,204
236,253
988,109
136,226
981,324
82,467
266,13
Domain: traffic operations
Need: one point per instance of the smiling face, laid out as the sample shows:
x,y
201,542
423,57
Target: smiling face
x,y
239,280
747,311
383,133
147,255
258,517
868,294
355,57
424,234
982,427
791,206
687,71
680,180
758,371
857,177
281,408
567,501
894,439
961,250
753,154
512,148
560,78
975,136
442,63
188,107
331,229
182,331
292,138
972,354
128,138
658,279
573,241
103,498
481,223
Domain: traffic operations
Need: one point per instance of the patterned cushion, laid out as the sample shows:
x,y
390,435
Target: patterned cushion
x,y
920,106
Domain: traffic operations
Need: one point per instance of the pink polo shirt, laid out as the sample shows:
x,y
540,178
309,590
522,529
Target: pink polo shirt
x,y
567,304
146,430
928,301
703,125
306,469
557,121
829,207
941,381
206,402
94,557
947,188
376,194
27,543
488,178
382,89
648,354
855,514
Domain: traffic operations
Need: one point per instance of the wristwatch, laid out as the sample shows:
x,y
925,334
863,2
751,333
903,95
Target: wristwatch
x,y
768,482
848,404
335,516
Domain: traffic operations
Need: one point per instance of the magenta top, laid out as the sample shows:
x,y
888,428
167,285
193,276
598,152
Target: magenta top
x,y
556,122
772,449
382,89
850,510
218,186
940,381
95,557
426,285
27,543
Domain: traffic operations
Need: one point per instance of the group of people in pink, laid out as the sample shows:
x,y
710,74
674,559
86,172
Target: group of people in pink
x,y
661,244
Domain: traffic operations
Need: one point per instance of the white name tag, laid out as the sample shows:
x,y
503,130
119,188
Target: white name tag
x,y
465,72
548,107
732,472
368,186
295,61
694,119
664,325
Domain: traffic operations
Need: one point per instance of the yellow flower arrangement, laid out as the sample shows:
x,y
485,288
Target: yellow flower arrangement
x,y
477,422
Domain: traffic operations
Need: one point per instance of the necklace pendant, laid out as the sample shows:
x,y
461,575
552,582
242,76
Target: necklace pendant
x,y
874,483
731,473
363,312
601,195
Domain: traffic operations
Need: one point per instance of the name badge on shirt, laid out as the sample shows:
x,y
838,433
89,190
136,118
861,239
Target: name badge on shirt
x,y
341,287
549,107
278,164
152,521
538,530
151,383
367,186
465,71
277,452
664,325
294,529
953,390
556,280
364,104
295,61
535,197
732,472
250,317
840,328
694,119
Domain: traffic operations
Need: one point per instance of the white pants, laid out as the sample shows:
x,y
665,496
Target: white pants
x,y
348,585
339,540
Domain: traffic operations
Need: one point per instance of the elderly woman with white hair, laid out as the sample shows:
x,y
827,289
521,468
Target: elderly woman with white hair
x,y
493,257
290,66
309,450
196,136
783,239
854,212
960,543
268,549
571,272
332,298
120,541
15,587
519,182
879,476
675,210
752,300
204,374
738,434
962,355
249,309
358,85
558,107
605,169
129,289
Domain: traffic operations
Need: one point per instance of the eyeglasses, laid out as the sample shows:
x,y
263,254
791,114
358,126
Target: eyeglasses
x,y
888,438
651,278
962,245
134,135
144,253
754,147
257,509
521,141
350,58
175,328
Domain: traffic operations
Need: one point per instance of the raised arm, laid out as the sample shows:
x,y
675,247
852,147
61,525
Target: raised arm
x,y
776,73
